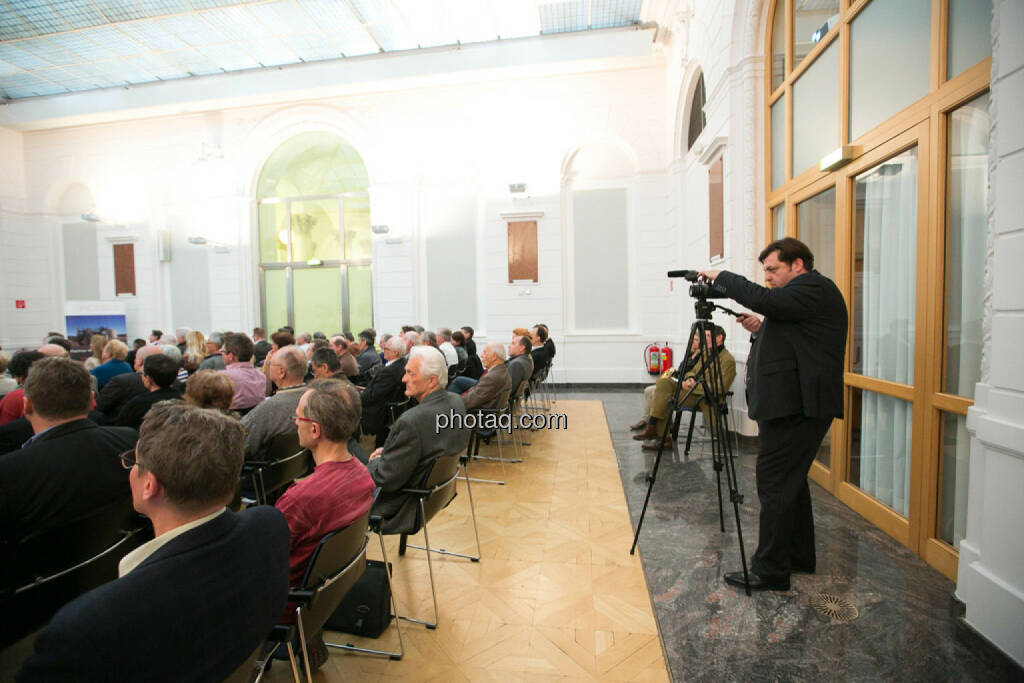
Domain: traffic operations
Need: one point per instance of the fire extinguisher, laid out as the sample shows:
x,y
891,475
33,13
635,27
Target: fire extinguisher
x,y
666,358
652,358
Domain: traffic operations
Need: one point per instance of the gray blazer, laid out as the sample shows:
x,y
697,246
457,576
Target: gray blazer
x,y
412,447
485,392
519,368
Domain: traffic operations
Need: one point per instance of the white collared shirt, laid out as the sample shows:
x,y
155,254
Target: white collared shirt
x,y
136,557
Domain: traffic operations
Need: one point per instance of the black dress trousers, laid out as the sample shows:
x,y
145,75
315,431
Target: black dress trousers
x,y
786,449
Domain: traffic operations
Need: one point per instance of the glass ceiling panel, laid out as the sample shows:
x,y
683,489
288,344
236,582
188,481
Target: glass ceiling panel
x,y
51,46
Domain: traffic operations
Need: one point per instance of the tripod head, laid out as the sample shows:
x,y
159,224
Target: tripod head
x,y
705,308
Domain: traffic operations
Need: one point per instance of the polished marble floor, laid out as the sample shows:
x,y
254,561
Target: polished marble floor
x,y
908,628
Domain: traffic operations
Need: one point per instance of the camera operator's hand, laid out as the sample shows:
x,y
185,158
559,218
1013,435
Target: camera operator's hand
x,y
709,275
751,323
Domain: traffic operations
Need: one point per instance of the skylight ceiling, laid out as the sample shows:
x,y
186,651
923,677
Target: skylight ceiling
x,y
50,47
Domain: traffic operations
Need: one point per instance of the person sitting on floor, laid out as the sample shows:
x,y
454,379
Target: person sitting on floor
x,y
196,601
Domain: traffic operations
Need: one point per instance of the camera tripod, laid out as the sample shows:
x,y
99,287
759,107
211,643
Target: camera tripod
x,y
708,376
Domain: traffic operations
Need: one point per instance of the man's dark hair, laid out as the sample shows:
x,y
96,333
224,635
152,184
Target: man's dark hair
x,y
195,453
468,331
21,362
325,355
161,369
335,406
718,331
459,337
526,343
289,329
59,388
348,336
368,336
319,335
320,343
407,328
60,341
156,333
542,333
282,338
240,346
790,249
418,329
138,343
259,332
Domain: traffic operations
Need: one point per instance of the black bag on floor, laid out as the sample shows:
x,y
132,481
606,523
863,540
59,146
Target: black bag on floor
x,y
366,610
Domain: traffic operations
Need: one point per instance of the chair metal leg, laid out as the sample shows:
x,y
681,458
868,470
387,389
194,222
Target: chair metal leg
x,y
472,510
394,605
303,644
430,569
291,660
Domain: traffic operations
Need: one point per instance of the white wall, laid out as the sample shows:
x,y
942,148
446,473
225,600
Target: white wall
x,y
991,570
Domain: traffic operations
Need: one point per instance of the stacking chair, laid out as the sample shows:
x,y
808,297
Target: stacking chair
x,y
693,418
396,408
336,564
49,569
453,372
437,491
496,409
287,461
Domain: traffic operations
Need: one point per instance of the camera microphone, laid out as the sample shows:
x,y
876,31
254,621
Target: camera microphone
x,y
690,275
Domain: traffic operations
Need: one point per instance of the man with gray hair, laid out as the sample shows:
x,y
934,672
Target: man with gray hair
x,y
444,338
415,442
385,387
494,382
286,369
213,360
203,593
412,339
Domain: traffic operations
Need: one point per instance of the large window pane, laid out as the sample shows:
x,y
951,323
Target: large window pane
x,y
778,65
970,34
273,233
816,225
275,297
360,299
315,230
885,276
779,221
812,19
778,142
314,163
967,230
816,110
956,452
880,447
889,60
357,227
317,299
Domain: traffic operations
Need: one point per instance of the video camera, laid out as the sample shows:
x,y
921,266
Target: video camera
x,y
698,290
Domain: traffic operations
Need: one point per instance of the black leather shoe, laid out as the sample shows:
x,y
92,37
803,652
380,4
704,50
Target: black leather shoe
x,y
757,583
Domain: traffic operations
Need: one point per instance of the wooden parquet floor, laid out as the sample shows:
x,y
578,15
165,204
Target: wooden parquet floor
x,y
556,595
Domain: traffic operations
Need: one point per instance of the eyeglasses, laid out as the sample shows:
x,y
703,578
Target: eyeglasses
x,y
296,419
128,459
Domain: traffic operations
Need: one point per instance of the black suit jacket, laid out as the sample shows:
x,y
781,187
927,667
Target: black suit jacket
x,y
66,472
135,409
540,359
118,391
16,432
385,386
260,351
795,365
194,610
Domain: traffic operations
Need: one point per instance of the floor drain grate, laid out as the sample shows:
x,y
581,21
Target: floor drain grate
x,y
834,607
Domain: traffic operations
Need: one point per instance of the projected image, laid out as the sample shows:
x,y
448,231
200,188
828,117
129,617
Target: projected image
x,y
81,328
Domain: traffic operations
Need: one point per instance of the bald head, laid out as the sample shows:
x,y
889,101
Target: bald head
x,y
144,353
53,351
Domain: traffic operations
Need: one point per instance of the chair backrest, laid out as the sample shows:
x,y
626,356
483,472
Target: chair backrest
x,y
283,446
334,567
453,372
441,484
501,401
53,567
396,408
279,474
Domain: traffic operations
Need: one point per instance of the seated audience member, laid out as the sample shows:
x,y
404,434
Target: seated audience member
x,y
657,426
549,345
70,467
7,383
459,342
495,380
413,445
444,345
260,346
180,340
383,342
340,488
326,365
62,342
154,337
130,358
273,416
159,373
384,387
53,350
520,363
303,340
650,389
196,601
367,358
349,366
412,339
213,360
474,365
280,339
250,384
520,332
123,388
430,339
96,344
538,337
210,389
11,406
113,364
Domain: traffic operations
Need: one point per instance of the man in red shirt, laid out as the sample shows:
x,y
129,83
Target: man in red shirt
x,y
340,488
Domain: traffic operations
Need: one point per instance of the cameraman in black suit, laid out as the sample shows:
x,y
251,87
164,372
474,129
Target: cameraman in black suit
x,y
794,390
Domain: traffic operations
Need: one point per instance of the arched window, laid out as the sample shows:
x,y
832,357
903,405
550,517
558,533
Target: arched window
x,y
314,236
697,118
